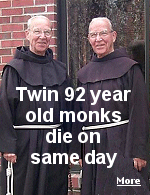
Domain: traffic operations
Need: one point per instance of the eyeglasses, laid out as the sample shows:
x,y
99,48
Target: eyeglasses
x,y
38,32
103,33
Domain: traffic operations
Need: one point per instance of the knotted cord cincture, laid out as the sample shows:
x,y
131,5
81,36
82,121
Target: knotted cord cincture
x,y
9,175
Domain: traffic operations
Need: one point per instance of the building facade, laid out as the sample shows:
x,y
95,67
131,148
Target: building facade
x,y
70,20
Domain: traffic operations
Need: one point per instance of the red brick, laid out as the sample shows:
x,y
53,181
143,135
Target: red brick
x,y
54,25
34,9
12,27
75,179
51,8
18,35
5,35
26,42
6,59
1,67
52,17
25,26
39,2
13,51
4,20
74,193
5,51
54,33
19,19
12,43
5,4
18,3
55,57
54,49
53,41
12,11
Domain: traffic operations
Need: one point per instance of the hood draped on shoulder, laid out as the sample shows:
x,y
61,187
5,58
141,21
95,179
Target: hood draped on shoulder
x,y
38,70
112,66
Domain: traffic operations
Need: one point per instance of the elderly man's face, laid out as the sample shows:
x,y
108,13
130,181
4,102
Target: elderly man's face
x,y
101,38
39,36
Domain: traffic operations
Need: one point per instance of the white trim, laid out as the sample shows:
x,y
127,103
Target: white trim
x,y
36,126
104,126
128,185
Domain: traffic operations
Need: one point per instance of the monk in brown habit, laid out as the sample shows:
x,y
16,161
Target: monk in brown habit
x,y
121,122
27,115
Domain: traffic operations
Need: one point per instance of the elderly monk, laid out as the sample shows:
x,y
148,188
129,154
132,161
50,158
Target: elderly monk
x,y
122,123
25,117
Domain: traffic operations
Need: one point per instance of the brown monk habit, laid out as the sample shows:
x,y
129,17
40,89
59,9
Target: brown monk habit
x,y
33,72
114,72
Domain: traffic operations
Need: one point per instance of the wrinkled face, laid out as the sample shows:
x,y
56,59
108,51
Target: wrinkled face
x,y
39,35
101,37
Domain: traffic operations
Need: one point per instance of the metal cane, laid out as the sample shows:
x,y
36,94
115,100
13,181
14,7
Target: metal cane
x,y
9,174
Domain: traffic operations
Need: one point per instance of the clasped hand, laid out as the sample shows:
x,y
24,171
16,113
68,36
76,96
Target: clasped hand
x,y
139,163
10,157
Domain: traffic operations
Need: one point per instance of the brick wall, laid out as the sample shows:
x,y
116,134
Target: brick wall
x,y
13,18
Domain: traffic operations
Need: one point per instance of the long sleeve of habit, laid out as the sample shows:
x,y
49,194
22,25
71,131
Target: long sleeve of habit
x,y
8,103
137,132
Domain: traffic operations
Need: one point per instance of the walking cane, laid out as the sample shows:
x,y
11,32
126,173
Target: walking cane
x,y
9,174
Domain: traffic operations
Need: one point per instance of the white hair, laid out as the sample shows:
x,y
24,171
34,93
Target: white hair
x,y
101,18
38,17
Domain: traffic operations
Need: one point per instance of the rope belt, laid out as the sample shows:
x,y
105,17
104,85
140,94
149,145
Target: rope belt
x,y
37,126
104,126
9,174
9,170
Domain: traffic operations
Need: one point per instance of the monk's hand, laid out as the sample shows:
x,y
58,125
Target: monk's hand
x,y
10,157
139,163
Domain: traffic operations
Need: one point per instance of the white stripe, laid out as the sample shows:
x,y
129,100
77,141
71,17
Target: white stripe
x,y
37,126
129,185
105,125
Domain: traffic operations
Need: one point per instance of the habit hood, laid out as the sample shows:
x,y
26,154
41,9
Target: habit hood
x,y
112,66
38,70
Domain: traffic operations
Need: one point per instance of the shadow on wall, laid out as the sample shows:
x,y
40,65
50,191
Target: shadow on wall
x,y
136,50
